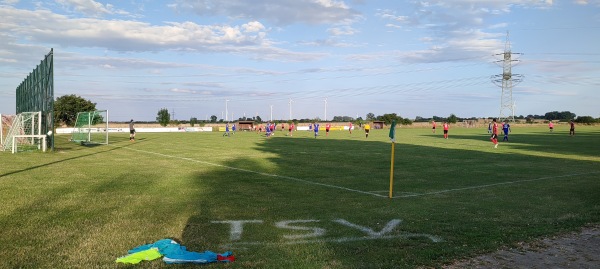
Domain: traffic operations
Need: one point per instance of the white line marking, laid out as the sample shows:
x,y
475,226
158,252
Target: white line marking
x,y
358,191
259,173
492,185
433,239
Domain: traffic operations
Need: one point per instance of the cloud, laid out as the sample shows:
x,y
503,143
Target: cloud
x,y
454,29
279,12
44,26
342,30
90,7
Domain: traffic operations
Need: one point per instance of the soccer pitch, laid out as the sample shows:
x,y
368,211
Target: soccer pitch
x,y
300,201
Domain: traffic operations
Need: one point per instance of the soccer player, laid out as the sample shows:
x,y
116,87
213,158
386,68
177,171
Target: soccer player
x,y
572,130
226,133
551,126
131,131
327,126
490,128
268,129
316,128
290,128
350,127
433,126
446,127
233,128
494,136
367,129
505,129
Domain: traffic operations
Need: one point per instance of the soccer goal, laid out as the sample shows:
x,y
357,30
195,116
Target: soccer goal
x,y
91,127
5,124
24,133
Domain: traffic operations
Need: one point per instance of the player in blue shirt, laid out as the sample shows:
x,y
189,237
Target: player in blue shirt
x,y
226,133
316,128
505,129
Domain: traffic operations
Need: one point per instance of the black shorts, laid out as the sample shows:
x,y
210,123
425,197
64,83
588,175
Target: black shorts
x,y
445,131
494,136
367,131
132,131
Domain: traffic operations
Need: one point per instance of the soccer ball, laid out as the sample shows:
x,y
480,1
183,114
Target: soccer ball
x,y
50,133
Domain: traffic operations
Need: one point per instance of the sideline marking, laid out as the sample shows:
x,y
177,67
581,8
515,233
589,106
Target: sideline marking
x,y
491,185
259,173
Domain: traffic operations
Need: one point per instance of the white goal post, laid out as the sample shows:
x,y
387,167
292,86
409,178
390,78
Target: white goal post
x,y
24,133
91,127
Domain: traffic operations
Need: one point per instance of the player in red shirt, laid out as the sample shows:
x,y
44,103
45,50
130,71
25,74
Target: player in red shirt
x,y
290,128
572,130
446,126
327,126
433,126
350,127
494,136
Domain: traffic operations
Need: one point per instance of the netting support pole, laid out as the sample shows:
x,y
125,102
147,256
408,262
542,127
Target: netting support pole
x,y
1,131
107,126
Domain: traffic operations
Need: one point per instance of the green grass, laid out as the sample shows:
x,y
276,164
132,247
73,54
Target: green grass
x,y
85,206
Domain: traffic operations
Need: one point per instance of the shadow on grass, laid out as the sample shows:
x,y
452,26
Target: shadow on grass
x,y
285,211
73,147
553,143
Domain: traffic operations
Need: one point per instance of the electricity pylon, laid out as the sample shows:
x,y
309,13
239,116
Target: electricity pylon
x,y
506,81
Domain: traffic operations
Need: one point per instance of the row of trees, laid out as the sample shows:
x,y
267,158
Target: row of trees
x,y
66,108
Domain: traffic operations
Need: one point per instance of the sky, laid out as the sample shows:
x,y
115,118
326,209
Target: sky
x,y
282,59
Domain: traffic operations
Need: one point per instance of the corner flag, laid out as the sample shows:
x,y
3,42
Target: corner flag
x,y
393,138
393,131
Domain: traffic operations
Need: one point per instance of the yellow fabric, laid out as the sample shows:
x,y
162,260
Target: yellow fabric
x,y
135,258
367,127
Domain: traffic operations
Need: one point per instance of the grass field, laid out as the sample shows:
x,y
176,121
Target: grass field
x,y
296,202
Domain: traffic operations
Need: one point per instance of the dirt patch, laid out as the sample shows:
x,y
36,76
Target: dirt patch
x,y
573,250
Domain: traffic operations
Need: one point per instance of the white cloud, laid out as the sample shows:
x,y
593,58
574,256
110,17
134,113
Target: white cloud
x,y
90,7
342,30
43,26
9,2
280,12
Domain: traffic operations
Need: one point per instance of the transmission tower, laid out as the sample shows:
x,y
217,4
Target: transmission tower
x,y
506,81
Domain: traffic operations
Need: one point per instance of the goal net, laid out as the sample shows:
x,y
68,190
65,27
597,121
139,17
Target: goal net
x,y
24,133
91,127
5,124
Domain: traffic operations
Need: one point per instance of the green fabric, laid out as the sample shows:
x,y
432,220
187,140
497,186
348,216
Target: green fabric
x,y
135,258
393,131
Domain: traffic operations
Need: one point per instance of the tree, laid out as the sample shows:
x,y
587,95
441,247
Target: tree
x,y
585,120
388,118
193,121
66,108
370,116
258,119
213,119
452,118
163,117
555,115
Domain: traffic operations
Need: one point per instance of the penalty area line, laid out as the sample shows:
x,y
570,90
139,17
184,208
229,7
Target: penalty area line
x,y
259,173
492,185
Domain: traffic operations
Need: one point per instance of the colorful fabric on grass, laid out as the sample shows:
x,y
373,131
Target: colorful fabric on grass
x,y
145,255
174,253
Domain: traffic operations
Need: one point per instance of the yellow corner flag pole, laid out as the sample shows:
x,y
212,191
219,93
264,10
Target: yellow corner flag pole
x,y
393,138
392,172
